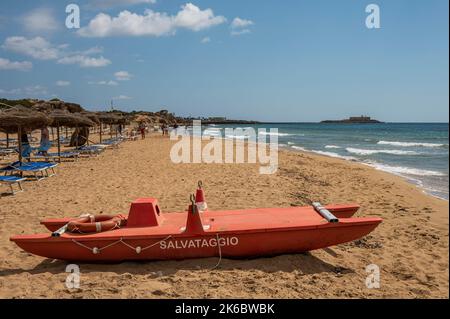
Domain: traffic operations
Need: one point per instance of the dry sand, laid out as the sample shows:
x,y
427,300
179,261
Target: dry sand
x,y
410,246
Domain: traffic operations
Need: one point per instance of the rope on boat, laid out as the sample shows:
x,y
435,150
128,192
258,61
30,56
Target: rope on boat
x,y
137,249
220,253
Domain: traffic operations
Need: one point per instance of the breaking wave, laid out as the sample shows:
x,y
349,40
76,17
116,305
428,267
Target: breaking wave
x,y
363,152
411,144
331,154
399,170
299,148
274,134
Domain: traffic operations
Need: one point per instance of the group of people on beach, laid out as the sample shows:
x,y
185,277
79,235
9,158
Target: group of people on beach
x,y
142,128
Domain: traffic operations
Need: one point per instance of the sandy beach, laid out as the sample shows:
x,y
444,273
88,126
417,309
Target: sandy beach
x,y
410,246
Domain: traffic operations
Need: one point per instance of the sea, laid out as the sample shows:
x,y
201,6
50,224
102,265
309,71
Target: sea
x,y
418,152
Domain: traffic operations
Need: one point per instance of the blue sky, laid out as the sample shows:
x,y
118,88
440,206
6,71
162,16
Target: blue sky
x,y
292,60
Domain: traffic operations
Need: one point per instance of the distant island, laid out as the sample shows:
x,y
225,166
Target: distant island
x,y
354,120
223,120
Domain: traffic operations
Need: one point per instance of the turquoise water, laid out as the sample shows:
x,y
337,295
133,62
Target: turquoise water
x,y
418,152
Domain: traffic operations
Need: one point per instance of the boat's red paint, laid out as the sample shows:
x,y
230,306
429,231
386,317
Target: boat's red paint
x,y
233,234
340,211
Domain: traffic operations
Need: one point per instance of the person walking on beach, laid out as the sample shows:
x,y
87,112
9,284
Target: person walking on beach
x,y
45,142
165,130
142,130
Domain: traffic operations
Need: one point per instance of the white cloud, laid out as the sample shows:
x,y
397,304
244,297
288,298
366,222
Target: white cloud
x,y
123,76
205,40
241,23
41,49
240,32
122,97
109,83
151,23
93,50
105,4
6,64
85,61
191,17
40,20
127,23
62,83
11,92
36,89
29,91
37,47
240,26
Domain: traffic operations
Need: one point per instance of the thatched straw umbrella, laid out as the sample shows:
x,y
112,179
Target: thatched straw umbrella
x,y
18,118
163,121
48,106
111,119
5,106
64,118
141,118
92,116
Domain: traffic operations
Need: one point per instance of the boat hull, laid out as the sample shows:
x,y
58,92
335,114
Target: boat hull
x,y
238,244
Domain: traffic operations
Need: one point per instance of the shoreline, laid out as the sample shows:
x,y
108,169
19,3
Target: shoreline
x,y
410,180
432,179
348,159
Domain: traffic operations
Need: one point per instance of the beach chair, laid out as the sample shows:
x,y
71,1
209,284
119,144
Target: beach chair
x,y
91,149
11,180
110,143
6,152
40,170
54,156
68,154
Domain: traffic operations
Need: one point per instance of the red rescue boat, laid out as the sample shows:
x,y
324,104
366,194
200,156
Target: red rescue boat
x,y
148,234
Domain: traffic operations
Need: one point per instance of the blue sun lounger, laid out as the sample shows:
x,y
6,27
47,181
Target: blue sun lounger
x,y
54,156
36,168
91,149
11,180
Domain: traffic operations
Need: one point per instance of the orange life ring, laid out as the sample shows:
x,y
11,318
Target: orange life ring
x,y
96,224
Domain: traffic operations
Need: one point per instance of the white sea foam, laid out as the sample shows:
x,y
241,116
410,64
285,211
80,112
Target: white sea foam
x,y
299,148
291,143
274,134
212,132
336,155
364,152
410,144
238,137
330,154
332,146
401,170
